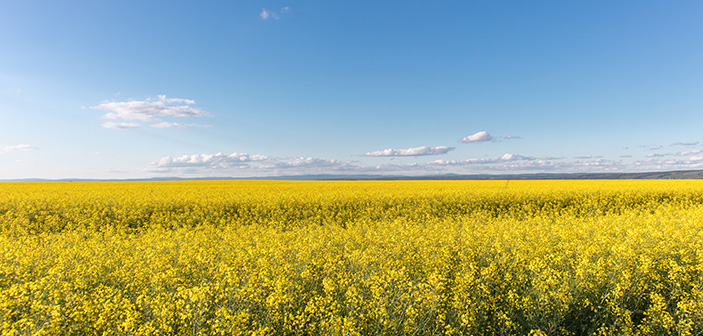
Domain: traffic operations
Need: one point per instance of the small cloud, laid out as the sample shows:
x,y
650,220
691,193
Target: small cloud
x,y
511,137
625,156
151,110
586,157
685,144
656,148
691,152
123,125
167,124
651,155
481,136
264,14
17,148
417,151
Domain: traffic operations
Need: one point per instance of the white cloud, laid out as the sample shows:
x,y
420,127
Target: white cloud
x,y
241,164
481,136
417,151
167,124
693,162
122,125
151,110
685,143
650,155
264,14
217,161
17,148
691,152
466,162
309,163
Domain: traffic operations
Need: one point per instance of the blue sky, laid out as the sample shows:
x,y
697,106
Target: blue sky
x,y
124,89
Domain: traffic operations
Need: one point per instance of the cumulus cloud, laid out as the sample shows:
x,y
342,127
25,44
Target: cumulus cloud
x,y
216,161
481,136
242,164
17,148
149,110
417,151
123,125
167,124
586,157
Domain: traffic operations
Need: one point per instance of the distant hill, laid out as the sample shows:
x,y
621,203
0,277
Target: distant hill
x,y
681,174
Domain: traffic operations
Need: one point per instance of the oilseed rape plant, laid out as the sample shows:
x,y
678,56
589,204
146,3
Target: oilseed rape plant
x,y
352,258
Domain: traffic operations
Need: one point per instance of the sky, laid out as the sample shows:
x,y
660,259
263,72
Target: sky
x,y
140,89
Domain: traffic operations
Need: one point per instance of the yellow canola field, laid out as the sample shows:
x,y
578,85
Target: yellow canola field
x,y
352,258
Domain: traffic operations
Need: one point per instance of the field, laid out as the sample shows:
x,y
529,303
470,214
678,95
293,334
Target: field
x,y
352,258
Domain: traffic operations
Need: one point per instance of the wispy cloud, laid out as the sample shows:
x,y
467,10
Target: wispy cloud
x,y
266,14
17,148
466,162
167,124
687,144
122,125
149,110
689,153
586,157
693,162
417,151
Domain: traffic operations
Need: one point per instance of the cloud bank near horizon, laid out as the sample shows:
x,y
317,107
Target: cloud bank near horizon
x,y
246,165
